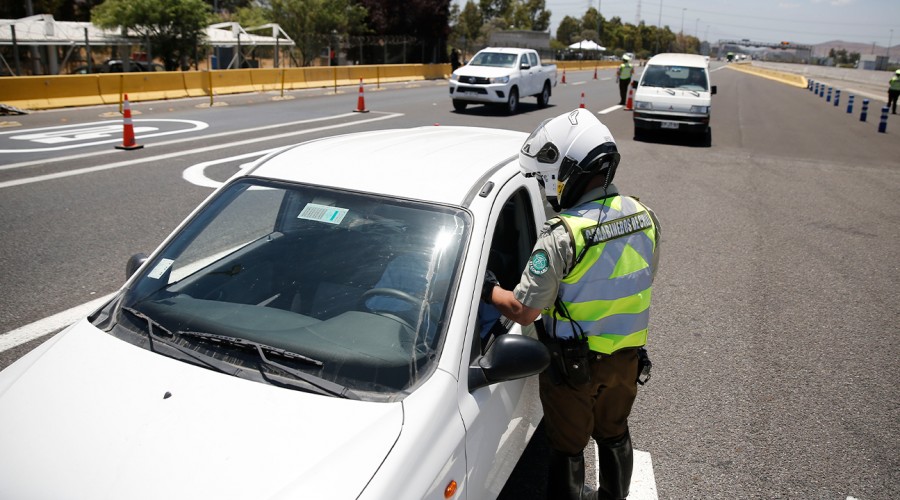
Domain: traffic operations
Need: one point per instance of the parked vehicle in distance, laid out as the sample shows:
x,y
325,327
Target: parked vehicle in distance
x,y
306,332
117,66
502,76
674,93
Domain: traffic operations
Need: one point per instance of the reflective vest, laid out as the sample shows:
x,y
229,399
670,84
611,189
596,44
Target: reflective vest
x,y
895,83
607,292
625,71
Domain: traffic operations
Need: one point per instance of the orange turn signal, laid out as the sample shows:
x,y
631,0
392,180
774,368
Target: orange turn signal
x,y
450,490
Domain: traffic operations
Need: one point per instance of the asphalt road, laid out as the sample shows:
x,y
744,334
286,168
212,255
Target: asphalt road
x,y
772,332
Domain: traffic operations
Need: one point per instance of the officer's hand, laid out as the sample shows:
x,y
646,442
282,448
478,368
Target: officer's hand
x,y
490,281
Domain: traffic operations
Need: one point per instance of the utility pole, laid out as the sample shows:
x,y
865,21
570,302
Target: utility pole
x,y
890,41
682,27
658,27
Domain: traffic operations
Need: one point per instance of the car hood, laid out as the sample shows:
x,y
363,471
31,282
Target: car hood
x,y
664,99
94,417
484,71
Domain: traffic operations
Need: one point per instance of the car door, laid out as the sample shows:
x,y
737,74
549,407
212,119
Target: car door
x,y
500,418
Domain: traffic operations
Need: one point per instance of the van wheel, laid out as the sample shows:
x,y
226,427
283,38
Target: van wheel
x,y
544,97
459,105
639,134
512,104
706,138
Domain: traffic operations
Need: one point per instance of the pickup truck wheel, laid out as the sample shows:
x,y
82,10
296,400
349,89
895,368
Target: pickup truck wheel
x,y
512,104
544,97
459,105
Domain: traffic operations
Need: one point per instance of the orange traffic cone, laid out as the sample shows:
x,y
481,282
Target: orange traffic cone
x,y
564,77
595,72
361,101
582,100
128,132
629,103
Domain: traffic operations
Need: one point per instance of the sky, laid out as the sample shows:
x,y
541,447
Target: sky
x,y
773,21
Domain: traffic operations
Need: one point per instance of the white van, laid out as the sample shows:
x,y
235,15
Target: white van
x,y
674,93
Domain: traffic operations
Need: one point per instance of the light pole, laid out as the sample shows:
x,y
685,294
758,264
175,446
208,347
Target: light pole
x,y
659,26
890,40
682,27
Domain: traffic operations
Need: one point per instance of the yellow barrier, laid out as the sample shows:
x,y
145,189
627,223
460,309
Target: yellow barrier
x,y
780,76
57,91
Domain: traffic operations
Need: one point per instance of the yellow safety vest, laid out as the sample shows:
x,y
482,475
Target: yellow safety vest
x,y
625,71
606,295
895,83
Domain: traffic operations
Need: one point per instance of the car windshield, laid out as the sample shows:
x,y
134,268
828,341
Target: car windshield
x,y
675,77
496,59
360,284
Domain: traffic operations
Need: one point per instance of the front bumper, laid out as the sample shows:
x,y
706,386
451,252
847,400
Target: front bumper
x,y
496,93
687,122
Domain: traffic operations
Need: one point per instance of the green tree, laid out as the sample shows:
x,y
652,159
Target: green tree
x,y
315,25
173,27
568,29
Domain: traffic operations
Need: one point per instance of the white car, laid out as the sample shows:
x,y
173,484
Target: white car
x,y
313,330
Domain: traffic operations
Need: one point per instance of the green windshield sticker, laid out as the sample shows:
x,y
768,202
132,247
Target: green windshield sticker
x,y
539,263
323,213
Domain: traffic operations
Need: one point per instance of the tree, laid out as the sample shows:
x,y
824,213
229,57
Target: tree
x,y
317,24
426,20
568,29
173,27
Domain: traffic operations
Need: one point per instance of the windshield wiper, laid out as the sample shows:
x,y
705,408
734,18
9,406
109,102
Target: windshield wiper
x,y
324,386
201,358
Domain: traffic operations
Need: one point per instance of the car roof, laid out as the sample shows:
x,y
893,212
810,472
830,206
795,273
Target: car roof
x,y
505,50
441,164
693,60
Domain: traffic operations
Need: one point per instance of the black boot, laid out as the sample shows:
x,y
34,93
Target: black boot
x,y
615,461
566,478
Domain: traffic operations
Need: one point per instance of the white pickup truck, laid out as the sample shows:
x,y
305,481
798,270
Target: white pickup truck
x,y
502,76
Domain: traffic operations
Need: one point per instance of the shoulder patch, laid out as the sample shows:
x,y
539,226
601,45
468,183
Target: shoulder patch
x,y
539,263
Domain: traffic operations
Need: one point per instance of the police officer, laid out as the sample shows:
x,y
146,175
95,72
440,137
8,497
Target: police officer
x,y
590,274
623,77
894,92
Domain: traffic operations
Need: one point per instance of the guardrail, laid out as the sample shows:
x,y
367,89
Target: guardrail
x,y
58,91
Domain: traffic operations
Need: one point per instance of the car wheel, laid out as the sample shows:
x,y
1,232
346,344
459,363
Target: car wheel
x,y
639,134
706,138
459,105
544,96
512,104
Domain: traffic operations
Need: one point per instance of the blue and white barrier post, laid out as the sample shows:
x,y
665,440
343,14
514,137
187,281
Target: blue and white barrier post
x,y
865,110
822,90
828,99
850,105
837,97
882,127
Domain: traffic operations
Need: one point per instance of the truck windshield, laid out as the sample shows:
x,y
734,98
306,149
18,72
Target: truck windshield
x,y
675,77
496,59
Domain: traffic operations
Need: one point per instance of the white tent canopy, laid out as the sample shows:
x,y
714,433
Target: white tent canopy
x,y
44,30
232,34
587,45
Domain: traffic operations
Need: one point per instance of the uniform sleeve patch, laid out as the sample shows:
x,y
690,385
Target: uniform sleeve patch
x,y
539,263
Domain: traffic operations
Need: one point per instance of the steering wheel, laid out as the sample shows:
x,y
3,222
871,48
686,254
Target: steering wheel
x,y
393,293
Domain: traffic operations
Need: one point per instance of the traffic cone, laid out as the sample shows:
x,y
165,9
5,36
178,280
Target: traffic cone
x,y
564,77
128,132
595,72
361,101
629,103
582,100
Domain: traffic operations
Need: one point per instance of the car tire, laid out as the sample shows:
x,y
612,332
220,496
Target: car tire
x,y
544,97
639,134
459,105
512,103
706,138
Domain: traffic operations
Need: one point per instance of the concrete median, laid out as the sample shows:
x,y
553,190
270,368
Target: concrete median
x,y
780,76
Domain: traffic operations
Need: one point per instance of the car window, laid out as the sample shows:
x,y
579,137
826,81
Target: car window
x,y
510,246
533,58
687,78
496,59
360,283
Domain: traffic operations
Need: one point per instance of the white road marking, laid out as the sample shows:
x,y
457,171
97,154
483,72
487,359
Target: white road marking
x,y
577,83
152,159
50,324
94,130
609,109
643,481
195,173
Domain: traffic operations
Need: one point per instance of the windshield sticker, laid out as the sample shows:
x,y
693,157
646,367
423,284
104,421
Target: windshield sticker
x,y
161,269
323,213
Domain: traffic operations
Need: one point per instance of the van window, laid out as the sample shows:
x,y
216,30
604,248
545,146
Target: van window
x,y
675,77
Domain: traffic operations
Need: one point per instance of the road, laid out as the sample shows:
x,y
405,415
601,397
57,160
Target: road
x,y
772,331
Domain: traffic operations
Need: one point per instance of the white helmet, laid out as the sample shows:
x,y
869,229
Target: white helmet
x,y
566,152
626,58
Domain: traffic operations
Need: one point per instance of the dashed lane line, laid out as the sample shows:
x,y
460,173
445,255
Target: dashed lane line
x,y
50,324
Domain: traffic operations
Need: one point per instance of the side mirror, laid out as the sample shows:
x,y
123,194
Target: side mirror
x,y
634,84
509,357
134,263
524,66
712,90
